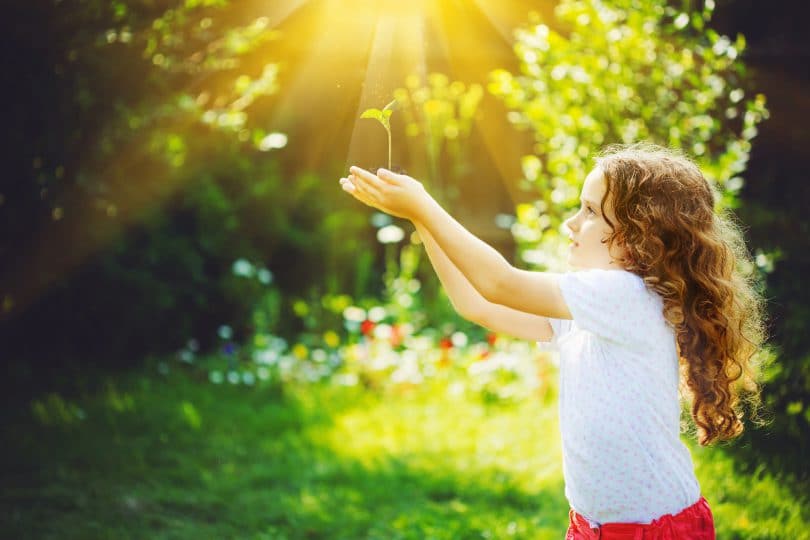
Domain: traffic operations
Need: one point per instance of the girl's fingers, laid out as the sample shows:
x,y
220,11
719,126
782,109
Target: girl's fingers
x,y
350,188
371,189
388,176
368,179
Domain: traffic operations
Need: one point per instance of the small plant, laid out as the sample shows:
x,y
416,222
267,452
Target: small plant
x,y
384,117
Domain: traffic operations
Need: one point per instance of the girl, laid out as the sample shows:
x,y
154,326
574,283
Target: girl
x,y
657,304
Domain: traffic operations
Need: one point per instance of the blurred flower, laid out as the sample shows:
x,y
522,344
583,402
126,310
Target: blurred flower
x,y
242,267
300,351
390,234
186,356
408,371
331,338
263,373
446,343
266,356
345,379
216,377
376,314
354,313
248,378
229,348
382,331
193,345
366,327
233,377
351,326
265,276
163,368
379,220
318,355
225,331
278,343
396,335
492,337
459,339
273,141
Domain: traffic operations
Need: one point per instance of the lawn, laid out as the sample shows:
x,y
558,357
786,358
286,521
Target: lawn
x,y
162,456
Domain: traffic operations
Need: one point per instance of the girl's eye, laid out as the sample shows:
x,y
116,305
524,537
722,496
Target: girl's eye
x,y
590,210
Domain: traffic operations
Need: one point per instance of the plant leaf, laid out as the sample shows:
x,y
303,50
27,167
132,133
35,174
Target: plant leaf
x,y
372,113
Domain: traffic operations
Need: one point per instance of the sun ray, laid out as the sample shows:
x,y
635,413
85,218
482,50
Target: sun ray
x,y
338,58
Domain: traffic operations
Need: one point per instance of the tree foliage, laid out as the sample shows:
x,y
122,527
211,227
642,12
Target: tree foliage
x,y
606,72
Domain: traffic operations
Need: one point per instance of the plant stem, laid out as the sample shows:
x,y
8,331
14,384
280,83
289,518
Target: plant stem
x,y
389,148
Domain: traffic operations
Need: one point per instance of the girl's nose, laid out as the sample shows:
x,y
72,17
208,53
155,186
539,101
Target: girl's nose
x,y
571,223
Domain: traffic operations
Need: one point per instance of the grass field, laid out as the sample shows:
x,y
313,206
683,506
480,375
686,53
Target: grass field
x,y
170,456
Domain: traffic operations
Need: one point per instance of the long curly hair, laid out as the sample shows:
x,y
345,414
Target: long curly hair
x,y
695,258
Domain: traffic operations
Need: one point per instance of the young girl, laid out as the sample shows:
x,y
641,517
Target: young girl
x,y
657,305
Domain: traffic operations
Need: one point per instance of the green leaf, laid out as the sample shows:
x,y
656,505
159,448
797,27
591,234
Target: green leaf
x,y
372,113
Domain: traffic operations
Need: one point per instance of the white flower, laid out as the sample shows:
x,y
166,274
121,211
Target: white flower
x,y
265,276
278,343
225,331
248,378
459,339
242,267
233,377
319,355
273,141
354,313
376,314
390,234
345,379
216,377
267,357
383,331
263,373
378,219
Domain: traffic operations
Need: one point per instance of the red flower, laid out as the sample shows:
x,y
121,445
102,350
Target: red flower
x,y
483,355
366,327
492,337
446,343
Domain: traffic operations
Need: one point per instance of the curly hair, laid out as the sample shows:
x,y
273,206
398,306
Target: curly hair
x,y
695,258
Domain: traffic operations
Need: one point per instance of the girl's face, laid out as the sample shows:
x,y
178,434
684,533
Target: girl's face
x,y
588,229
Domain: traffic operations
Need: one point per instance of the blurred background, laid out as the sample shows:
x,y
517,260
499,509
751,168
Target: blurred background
x,y
170,215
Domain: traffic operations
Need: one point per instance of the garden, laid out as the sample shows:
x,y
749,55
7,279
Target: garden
x,y
206,338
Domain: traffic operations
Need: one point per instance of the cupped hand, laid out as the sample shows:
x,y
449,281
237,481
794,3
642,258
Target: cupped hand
x,y
395,194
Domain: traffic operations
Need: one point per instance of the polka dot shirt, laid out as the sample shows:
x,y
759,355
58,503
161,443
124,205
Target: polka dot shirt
x,y
623,459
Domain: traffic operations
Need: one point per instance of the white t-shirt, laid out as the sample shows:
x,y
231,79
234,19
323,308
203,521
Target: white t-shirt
x,y
623,459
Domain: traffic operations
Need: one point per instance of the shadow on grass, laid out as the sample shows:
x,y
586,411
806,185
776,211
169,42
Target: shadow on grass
x,y
174,458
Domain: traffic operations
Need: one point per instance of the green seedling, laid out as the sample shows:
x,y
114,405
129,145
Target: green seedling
x,y
384,117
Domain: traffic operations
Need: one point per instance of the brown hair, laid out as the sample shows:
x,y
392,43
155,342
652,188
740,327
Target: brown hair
x,y
695,258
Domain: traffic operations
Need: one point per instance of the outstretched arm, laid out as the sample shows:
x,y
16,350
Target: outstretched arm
x,y
485,268
472,306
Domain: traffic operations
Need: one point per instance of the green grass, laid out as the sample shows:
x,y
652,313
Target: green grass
x,y
172,457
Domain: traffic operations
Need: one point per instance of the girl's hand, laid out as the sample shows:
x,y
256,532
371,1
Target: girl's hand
x,y
395,194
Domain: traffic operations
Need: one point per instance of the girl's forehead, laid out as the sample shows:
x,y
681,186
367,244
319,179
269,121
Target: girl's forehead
x,y
594,187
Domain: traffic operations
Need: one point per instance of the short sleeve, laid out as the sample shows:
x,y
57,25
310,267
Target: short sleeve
x,y
559,328
611,304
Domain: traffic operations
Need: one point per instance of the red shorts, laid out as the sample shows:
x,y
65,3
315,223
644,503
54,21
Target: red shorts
x,y
693,523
